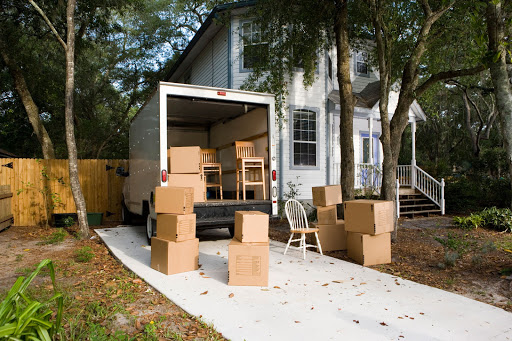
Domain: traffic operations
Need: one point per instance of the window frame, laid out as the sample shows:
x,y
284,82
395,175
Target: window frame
x,y
242,45
356,61
316,111
376,149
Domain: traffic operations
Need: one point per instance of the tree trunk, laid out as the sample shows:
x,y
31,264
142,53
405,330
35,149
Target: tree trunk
x,y
30,106
70,128
347,100
497,17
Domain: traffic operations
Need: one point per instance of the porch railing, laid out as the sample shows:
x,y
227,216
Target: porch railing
x,y
370,176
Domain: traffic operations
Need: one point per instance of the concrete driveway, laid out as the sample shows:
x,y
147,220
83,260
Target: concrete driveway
x,y
321,298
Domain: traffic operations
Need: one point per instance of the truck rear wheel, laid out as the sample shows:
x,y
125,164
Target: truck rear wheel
x,y
150,228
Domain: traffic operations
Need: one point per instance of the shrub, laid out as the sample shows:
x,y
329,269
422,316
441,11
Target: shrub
x,y
450,257
499,219
22,318
467,223
84,254
56,237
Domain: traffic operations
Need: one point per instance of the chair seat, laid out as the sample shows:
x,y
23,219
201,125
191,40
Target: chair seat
x,y
310,230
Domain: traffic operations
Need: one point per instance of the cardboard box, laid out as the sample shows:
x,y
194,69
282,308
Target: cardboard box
x,y
326,195
176,227
189,180
172,258
251,226
369,250
248,263
369,216
326,215
175,200
184,160
333,237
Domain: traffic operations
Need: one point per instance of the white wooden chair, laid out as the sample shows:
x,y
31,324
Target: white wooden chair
x,y
299,224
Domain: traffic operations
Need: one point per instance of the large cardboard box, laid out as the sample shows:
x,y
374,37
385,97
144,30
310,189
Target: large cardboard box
x,y
176,227
333,237
369,250
251,226
326,215
189,180
172,258
175,200
184,160
326,195
248,263
369,216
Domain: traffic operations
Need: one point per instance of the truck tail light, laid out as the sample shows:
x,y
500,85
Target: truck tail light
x,y
164,176
274,175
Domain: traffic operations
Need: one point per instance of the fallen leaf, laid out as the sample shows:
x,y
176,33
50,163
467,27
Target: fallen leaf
x,y
412,318
137,281
138,325
400,317
337,282
265,290
26,250
218,252
363,283
312,308
360,294
326,284
276,287
201,273
383,324
422,313
231,295
356,321
204,293
297,321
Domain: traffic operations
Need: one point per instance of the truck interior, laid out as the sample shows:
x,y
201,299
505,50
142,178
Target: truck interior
x,y
217,124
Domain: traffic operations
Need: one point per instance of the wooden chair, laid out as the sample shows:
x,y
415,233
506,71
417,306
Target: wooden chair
x,y
249,168
299,224
211,169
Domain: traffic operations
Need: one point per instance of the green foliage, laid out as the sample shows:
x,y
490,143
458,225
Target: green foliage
x,y
22,318
292,193
454,243
56,237
499,219
467,223
68,221
84,254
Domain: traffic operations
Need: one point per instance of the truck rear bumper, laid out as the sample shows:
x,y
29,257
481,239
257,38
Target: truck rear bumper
x,y
218,213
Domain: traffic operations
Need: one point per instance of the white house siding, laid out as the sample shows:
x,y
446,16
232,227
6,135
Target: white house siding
x,y
210,68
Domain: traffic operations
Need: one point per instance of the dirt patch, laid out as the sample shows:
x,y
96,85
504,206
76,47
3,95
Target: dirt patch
x,y
103,300
476,264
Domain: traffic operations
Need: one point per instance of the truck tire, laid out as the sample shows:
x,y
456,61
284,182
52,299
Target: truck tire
x,y
150,228
126,216
231,231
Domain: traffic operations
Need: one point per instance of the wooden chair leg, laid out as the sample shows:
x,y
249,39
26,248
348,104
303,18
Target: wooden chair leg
x,y
220,182
243,180
263,178
237,182
288,245
318,243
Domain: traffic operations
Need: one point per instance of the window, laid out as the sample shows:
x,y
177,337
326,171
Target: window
x,y
366,149
361,62
253,48
304,137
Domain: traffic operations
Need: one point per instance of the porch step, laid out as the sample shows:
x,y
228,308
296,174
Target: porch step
x,y
407,207
416,203
427,212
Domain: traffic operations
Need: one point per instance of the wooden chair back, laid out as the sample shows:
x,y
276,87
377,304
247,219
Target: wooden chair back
x,y
244,149
296,215
209,155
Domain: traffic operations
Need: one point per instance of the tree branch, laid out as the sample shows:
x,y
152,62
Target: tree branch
x,y
40,11
447,75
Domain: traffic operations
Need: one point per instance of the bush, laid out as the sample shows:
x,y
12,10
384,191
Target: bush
x,y
84,254
56,237
467,223
499,219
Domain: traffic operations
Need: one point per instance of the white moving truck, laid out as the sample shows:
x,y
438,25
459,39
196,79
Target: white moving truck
x,y
189,115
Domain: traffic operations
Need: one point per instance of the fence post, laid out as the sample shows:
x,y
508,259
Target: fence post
x,y
397,198
442,196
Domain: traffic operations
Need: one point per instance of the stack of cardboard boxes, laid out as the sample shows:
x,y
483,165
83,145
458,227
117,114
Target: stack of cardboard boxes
x,y
368,224
175,248
331,230
248,257
184,165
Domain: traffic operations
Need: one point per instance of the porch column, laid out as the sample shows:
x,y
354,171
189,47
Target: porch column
x,y
413,156
370,148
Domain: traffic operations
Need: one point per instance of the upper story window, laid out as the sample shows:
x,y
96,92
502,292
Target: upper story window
x,y
304,138
253,48
361,63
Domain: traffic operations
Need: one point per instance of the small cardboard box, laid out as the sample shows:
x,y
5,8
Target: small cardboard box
x,y
251,226
176,227
172,258
333,237
184,160
369,250
248,263
326,215
175,200
369,216
326,195
189,180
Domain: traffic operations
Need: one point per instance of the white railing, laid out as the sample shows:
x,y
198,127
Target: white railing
x,y
370,176
430,187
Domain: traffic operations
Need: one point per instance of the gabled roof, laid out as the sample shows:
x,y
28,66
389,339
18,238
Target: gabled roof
x,y
207,30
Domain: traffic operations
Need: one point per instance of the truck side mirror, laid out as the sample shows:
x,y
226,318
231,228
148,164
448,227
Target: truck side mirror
x,y
120,172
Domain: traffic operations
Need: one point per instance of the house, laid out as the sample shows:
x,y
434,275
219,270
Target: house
x,y
308,145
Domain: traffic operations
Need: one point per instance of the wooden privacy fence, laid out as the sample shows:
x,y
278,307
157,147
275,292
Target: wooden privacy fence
x,y
42,187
